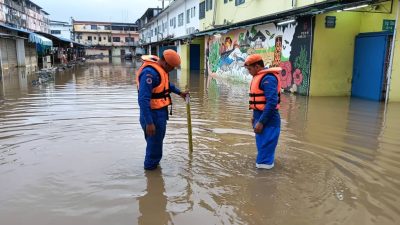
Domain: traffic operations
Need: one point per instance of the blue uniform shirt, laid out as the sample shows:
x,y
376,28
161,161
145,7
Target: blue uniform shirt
x,y
269,117
149,79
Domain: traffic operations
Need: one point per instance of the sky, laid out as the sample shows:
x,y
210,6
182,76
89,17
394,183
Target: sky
x,y
126,11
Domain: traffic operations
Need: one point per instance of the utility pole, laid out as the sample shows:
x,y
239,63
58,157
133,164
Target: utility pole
x,y
73,29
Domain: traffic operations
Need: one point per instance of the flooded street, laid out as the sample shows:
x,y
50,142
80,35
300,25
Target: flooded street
x,y
72,151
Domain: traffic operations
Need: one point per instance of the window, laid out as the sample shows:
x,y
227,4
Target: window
x,y
109,39
93,27
172,22
180,20
116,39
55,32
202,10
188,16
209,5
193,11
225,1
89,38
239,2
128,39
104,38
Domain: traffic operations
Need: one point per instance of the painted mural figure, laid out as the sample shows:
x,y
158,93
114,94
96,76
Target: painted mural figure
x,y
154,90
264,100
284,46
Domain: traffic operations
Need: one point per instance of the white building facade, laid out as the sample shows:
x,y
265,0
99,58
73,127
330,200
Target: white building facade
x,y
61,29
179,19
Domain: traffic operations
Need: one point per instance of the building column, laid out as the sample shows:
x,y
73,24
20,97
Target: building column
x,y
394,90
184,53
20,52
1,59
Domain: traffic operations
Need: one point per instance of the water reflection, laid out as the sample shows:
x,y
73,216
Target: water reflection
x,y
153,205
16,82
73,150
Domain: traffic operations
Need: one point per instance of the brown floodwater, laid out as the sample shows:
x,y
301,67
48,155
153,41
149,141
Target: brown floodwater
x,y
72,150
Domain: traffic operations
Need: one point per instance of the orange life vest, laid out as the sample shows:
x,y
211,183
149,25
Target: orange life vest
x,y
160,96
257,98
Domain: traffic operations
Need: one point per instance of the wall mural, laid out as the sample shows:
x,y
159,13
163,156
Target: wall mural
x,y
287,46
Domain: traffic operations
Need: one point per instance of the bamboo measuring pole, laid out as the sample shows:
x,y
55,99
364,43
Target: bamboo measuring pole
x,y
189,122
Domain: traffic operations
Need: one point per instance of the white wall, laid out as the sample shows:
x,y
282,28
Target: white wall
x,y
65,30
174,9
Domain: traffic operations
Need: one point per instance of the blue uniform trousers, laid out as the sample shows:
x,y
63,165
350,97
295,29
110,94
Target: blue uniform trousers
x,y
154,148
266,142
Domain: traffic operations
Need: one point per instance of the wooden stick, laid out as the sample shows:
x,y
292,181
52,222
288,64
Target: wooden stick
x,y
189,123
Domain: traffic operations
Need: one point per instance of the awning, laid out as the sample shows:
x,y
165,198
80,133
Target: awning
x,y
38,39
15,29
57,39
33,37
11,36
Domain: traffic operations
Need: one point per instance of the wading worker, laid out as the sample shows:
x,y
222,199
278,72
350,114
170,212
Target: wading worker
x,y
264,100
154,90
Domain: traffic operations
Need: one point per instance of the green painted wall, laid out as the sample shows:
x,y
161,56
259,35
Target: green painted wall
x,y
332,62
200,41
332,57
250,9
394,94
372,22
184,53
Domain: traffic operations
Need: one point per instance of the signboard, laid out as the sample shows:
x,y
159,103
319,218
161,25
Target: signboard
x,y
388,25
330,21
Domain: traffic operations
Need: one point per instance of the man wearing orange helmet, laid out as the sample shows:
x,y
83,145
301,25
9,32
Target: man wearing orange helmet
x,y
154,90
264,100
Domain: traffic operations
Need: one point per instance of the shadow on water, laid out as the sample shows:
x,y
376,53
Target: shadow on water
x,y
72,151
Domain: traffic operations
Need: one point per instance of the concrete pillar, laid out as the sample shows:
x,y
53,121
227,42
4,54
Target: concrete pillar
x,y
394,91
1,61
20,53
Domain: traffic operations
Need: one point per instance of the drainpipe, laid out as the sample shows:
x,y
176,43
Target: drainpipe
x,y
294,3
389,75
184,18
1,69
214,12
158,32
167,24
